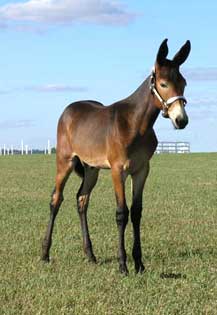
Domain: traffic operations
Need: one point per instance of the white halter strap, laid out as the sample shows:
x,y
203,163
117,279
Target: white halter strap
x,y
166,104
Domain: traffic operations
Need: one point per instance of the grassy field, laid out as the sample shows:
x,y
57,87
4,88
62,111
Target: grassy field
x,y
179,241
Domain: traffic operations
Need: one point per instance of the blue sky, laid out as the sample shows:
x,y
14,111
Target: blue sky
x,y
54,52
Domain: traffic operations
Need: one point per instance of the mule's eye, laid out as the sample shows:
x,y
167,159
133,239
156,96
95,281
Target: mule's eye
x,y
164,85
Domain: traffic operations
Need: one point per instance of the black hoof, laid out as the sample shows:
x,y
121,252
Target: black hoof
x,y
123,269
45,258
92,259
139,268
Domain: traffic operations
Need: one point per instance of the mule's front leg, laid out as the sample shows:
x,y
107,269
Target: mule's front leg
x,y
122,214
136,210
138,182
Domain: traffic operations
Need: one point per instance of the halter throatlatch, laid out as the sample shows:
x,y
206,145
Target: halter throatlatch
x,y
169,102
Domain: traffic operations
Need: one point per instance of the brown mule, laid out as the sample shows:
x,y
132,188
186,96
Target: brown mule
x,y
119,137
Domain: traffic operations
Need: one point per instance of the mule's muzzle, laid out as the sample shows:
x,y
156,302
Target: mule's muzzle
x,y
181,122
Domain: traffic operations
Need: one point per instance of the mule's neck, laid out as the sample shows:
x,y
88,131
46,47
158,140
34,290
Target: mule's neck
x,y
144,111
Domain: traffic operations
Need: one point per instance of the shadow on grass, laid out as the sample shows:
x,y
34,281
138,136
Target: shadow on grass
x,y
105,261
200,252
172,275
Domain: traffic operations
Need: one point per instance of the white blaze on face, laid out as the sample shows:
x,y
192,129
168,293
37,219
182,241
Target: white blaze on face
x,y
178,115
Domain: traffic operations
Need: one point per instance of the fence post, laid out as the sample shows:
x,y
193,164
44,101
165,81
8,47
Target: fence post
x,y
48,147
22,147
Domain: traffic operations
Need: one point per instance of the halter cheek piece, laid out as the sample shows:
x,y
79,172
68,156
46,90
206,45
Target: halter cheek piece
x,y
169,102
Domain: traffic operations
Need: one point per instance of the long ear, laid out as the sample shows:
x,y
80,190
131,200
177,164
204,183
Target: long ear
x,y
162,52
183,53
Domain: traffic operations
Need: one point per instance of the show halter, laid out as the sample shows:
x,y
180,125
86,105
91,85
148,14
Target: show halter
x,y
169,102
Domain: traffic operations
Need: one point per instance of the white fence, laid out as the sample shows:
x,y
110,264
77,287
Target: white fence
x,y
163,147
173,147
23,149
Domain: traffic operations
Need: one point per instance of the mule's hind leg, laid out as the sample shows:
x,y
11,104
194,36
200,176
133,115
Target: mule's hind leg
x,y
83,196
138,182
64,169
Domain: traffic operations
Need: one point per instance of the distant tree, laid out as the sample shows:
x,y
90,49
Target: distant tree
x,y
53,150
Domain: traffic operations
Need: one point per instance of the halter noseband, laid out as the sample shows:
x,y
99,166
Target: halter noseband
x,y
169,102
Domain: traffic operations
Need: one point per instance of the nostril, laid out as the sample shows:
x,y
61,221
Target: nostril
x,y
181,122
178,121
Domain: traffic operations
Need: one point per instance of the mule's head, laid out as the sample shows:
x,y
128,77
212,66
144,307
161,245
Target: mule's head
x,y
167,84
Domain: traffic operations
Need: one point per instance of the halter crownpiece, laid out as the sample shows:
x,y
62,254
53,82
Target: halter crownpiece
x,y
169,102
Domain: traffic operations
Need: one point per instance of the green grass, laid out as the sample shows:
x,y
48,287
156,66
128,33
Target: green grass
x,y
179,240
